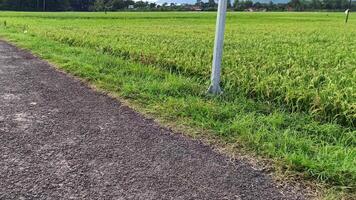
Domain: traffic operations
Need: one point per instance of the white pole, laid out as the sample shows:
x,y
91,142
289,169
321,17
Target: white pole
x,y
348,12
218,48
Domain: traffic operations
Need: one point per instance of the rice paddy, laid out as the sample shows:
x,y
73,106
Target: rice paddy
x,y
288,78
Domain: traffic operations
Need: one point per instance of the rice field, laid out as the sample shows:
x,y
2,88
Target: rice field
x,y
288,78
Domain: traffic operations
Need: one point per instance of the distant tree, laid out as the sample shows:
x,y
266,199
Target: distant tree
x,y
199,3
121,4
81,5
248,4
211,4
236,4
316,4
153,5
229,4
296,4
257,5
271,6
102,5
244,5
57,5
142,4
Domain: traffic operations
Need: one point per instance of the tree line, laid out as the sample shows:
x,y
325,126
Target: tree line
x,y
64,5
295,5
48,5
116,5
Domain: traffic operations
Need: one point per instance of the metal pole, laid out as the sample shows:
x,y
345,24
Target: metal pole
x,y
218,48
348,11
44,5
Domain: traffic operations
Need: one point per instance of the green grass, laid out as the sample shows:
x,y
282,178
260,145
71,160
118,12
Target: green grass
x,y
288,78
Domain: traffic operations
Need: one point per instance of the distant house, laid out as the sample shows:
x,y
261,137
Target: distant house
x,y
290,9
256,9
131,7
196,8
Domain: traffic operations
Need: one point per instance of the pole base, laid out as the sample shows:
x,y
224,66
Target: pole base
x,y
215,90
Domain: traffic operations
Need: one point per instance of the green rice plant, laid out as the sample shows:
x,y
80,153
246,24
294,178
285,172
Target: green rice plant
x,y
304,62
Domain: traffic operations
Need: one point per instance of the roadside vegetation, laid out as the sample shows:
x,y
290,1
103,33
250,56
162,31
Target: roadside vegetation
x,y
288,78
